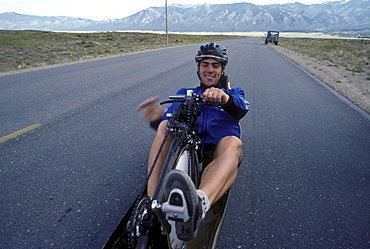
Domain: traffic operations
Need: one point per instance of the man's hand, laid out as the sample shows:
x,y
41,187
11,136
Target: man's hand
x,y
151,110
215,96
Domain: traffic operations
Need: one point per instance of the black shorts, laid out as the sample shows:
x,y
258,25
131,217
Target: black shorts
x,y
207,153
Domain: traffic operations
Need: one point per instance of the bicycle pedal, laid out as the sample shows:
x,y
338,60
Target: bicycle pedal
x,y
176,199
175,208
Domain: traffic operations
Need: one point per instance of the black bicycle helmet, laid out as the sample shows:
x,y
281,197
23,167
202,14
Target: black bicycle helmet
x,y
212,50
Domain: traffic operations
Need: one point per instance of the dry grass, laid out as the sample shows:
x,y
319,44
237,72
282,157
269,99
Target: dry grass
x,y
352,54
29,49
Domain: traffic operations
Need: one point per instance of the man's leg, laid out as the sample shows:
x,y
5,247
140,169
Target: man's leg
x,y
161,132
221,173
217,178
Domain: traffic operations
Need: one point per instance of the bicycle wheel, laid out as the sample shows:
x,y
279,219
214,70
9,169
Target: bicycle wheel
x,y
188,162
182,155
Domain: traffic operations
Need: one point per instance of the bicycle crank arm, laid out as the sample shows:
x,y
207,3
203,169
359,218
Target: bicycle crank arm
x,y
156,209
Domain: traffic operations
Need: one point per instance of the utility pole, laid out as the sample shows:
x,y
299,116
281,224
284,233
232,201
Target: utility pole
x,y
166,24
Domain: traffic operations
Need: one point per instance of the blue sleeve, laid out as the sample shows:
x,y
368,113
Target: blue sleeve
x,y
237,106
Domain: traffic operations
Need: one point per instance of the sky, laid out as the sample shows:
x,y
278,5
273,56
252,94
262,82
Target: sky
x,y
109,9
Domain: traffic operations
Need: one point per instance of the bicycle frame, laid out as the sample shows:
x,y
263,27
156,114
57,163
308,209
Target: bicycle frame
x,y
181,155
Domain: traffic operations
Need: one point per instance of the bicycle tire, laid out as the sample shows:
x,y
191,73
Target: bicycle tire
x,y
185,159
174,155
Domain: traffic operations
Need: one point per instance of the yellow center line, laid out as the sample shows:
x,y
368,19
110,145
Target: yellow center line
x,y
17,133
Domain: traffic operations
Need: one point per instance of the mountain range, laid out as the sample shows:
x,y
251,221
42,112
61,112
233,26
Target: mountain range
x,y
344,15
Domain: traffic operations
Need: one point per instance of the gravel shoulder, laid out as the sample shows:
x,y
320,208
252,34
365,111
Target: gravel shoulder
x,y
353,86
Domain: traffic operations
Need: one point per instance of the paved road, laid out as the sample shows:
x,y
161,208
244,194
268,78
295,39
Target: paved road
x,y
303,184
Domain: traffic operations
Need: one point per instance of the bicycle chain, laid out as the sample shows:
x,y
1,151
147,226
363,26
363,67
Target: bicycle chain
x,y
141,194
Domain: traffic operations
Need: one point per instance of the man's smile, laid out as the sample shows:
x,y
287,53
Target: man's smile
x,y
210,71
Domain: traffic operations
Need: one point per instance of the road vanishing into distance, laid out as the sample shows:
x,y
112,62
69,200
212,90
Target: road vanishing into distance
x,y
79,159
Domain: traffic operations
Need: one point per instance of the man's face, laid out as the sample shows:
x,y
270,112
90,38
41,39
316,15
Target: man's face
x,y
210,71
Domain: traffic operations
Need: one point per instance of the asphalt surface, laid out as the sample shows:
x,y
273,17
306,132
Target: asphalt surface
x,y
304,181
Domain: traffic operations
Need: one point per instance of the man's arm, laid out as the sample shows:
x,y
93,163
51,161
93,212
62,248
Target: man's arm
x,y
237,106
152,111
235,111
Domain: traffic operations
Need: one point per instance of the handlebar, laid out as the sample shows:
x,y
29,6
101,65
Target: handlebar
x,y
188,97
